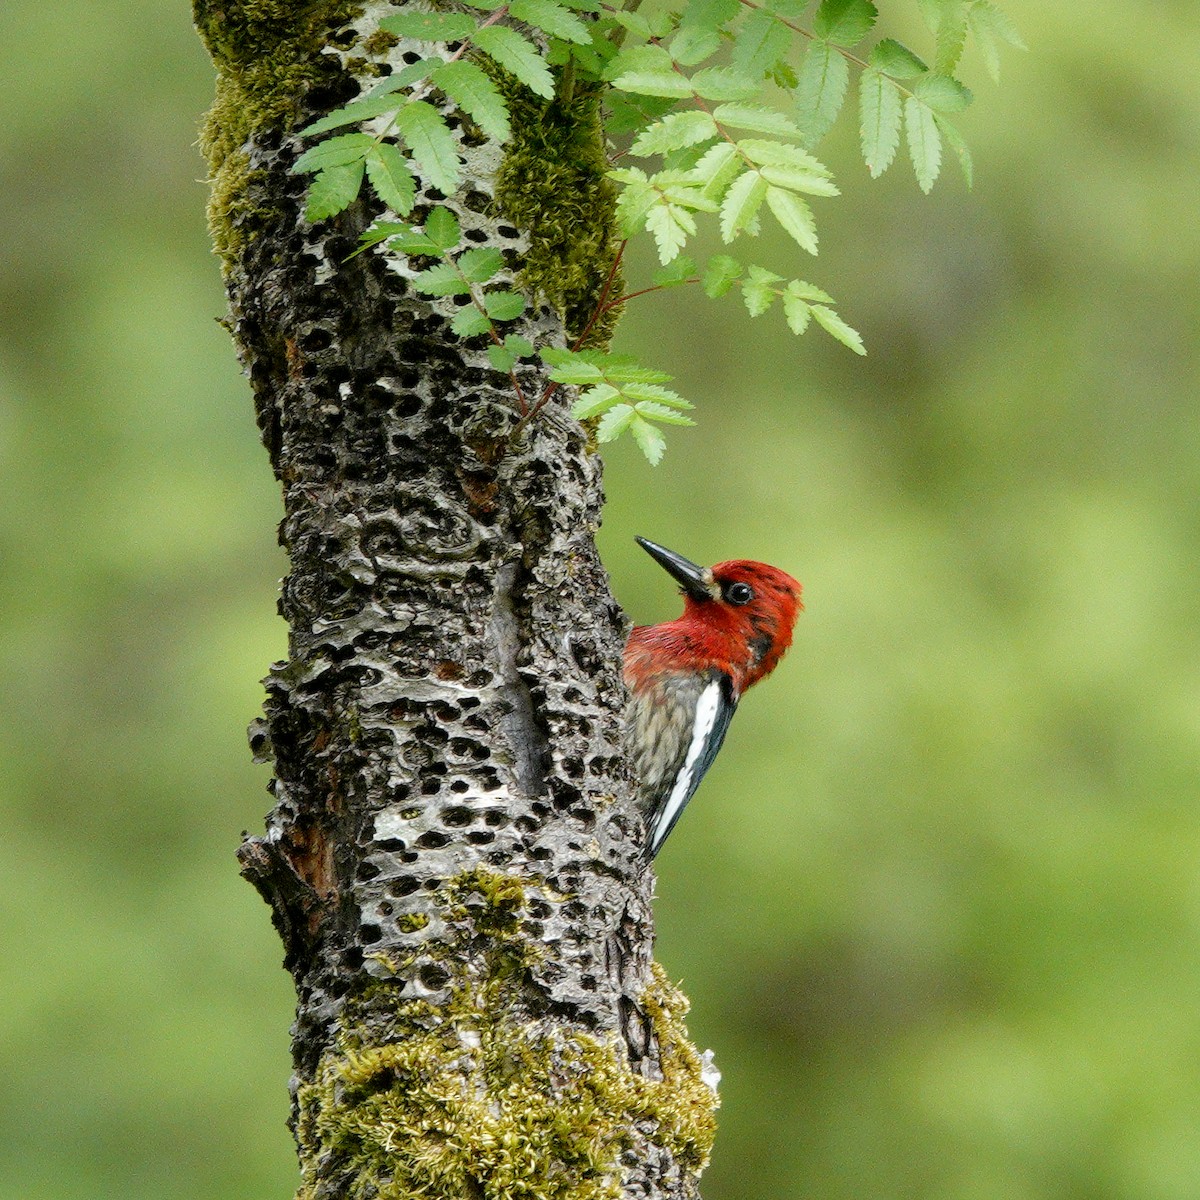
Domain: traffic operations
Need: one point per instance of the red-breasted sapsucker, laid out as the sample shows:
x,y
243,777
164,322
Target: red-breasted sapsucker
x,y
686,676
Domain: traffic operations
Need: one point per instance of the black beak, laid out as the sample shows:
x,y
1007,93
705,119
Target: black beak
x,y
694,580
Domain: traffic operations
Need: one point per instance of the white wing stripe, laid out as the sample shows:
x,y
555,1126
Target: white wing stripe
x,y
705,718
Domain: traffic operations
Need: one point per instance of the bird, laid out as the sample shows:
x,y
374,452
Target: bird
x,y
686,676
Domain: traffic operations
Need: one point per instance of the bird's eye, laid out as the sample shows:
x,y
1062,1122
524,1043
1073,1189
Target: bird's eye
x,y
739,593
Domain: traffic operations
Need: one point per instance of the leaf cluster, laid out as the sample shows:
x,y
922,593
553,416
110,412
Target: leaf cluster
x,y
468,273
724,102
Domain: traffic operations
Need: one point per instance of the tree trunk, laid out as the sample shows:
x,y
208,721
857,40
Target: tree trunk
x,y
453,859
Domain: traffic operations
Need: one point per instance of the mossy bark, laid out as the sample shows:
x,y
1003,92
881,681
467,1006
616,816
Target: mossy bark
x,y
453,859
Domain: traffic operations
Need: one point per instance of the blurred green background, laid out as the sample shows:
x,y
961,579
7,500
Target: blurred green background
x,y
938,903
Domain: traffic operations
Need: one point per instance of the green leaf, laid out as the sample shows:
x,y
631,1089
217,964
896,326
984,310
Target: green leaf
x,y
844,22
637,198
988,14
615,421
880,113
924,144
757,118
504,305
652,393
779,154
638,58
678,187
441,227
557,356
650,441
951,38
332,190
759,290
716,170
360,110
797,180
577,374
720,274
670,226
741,204
432,144
404,77
709,14
679,271
441,280
807,291
390,177
555,20
931,10
759,43
836,327
634,22
654,411
517,55
430,26
621,368
468,85
795,311
628,113
470,322
480,263
334,152
989,25
722,83
943,94
594,401
380,231
522,347
692,45
954,140
795,216
784,74
896,60
411,242
820,91
654,83
501,357
674,132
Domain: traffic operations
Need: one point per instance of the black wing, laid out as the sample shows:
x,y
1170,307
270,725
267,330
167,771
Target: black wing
x,y
714,710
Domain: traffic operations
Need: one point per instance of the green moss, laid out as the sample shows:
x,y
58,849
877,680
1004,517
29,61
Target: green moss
x,y
471,1100
411,922
552,185
267,54
379,43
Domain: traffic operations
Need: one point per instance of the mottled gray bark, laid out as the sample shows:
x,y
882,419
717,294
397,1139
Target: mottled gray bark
x,y
453,859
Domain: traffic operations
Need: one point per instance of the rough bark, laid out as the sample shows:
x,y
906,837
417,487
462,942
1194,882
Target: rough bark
x,y
453,859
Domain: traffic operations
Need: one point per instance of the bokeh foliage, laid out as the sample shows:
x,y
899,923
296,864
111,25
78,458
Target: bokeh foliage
x,y
937,905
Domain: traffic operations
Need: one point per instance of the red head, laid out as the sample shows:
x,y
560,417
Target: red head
x,y
737,616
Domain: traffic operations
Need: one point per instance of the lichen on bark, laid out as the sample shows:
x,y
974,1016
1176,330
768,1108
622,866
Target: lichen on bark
x,y
268,57
470,1099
